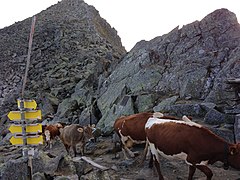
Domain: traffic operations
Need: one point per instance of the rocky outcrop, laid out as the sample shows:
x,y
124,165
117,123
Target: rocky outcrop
x,y
181,69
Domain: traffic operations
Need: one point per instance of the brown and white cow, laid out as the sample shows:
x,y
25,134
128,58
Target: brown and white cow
x,y
75,137
131,129
51,132
192,142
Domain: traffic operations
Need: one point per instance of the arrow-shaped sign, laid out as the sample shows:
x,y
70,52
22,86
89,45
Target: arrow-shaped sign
x,y
29,115
28,104
33,140
30,128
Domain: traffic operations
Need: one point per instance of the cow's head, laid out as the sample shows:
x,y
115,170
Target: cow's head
x,y
58,125
234,157
87,132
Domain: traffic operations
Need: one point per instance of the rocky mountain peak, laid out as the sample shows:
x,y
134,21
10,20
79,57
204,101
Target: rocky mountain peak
x,y
71,43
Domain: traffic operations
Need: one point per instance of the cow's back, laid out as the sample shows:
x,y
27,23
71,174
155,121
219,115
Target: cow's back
x,y
133,125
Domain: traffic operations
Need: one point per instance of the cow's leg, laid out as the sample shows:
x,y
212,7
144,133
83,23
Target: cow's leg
x,y
192,170
46,144
124,153
125,144
150,165
146,149
157,165
80,148
128,144
74,150
67,147
156,159
128,151
50,144
206,171
145,152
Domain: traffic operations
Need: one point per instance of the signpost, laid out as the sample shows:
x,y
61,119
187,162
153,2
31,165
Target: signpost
x,y
28,104
31,140
30,128
29,115
25,133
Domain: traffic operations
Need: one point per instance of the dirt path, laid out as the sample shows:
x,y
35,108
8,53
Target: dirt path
x,y
120,169
172,170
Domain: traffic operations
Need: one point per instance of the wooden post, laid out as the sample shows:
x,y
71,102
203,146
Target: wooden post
x,y
237,128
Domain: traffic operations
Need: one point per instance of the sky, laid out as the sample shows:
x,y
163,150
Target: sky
x,y
134,20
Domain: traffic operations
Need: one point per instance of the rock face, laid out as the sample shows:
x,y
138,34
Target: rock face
x,y
181,69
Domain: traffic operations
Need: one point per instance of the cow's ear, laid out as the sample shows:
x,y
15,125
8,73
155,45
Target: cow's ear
x,y
93,126
80,130
233,150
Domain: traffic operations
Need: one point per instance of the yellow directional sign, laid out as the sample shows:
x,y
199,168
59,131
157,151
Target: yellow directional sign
x,y
30,128
29,115
28,104
33,140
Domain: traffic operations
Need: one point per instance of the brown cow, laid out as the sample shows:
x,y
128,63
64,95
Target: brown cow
x,y
192,142
130,129
75,136
51,132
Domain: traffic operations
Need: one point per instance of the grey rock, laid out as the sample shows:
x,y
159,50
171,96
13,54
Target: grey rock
x,y
39,176
164,105
214,117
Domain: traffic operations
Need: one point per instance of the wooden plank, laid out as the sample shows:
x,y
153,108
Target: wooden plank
x,y
233,80
88,160
237,128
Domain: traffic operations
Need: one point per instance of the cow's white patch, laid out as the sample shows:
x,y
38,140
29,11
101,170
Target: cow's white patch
x,y
180,156
47,135
205,163
157,152
152,121
154,151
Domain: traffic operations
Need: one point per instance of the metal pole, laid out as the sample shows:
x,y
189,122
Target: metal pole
x,y
24,136
21,107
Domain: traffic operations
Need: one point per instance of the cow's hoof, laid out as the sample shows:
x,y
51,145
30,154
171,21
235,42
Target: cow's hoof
x,y
136,153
